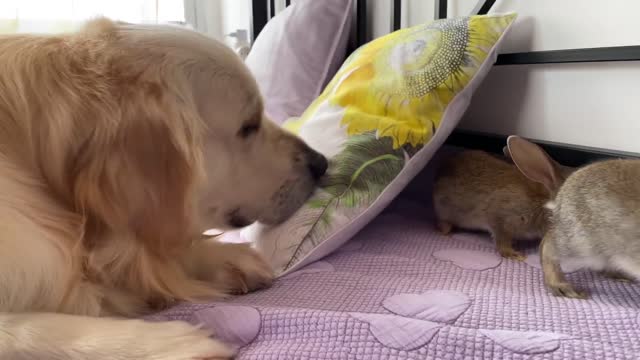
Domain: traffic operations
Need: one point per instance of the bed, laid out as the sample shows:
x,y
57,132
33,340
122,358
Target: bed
x,y
401,290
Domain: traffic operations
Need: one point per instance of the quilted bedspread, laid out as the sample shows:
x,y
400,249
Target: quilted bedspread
x,y
400,290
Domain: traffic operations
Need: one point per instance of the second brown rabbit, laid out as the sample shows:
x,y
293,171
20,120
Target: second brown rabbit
x,y
478,191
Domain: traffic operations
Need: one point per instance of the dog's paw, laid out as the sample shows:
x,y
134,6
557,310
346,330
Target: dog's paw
x,y
247,269
175,340
230,268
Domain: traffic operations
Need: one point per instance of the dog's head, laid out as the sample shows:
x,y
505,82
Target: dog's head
x,y
255,170
191,148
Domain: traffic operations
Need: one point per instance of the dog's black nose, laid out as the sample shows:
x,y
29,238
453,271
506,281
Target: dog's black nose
x,y
317,163
236,220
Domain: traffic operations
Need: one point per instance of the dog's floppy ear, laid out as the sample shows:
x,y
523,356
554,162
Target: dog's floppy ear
x,y
137,174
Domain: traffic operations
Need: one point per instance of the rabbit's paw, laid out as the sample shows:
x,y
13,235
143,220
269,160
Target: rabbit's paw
x,y
565,289
617,276
512,254
444,227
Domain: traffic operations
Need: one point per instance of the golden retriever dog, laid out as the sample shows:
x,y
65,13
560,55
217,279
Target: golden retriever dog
x,y
119,146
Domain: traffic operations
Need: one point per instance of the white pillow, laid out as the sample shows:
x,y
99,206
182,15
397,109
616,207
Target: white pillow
x,y
298,52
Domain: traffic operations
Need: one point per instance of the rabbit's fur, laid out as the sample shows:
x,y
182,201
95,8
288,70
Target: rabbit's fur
x,y
478,191
595,223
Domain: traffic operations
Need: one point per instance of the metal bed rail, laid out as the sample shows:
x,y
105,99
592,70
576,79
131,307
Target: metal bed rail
x,y
263,10
569,154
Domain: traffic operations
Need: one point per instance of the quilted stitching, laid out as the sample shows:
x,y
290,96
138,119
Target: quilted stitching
x,y
307,316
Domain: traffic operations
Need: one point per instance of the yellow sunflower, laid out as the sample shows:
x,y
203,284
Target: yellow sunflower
x,y
399,85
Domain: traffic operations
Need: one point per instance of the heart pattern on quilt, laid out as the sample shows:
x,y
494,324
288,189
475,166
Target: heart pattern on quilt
x,y
399,332
525,342
417,319
233,324
434,305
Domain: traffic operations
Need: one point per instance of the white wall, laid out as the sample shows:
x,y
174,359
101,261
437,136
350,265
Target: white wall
x,y
218,18
587,104
236,14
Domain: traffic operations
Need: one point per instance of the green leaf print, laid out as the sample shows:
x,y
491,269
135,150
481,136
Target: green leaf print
x,y
356,177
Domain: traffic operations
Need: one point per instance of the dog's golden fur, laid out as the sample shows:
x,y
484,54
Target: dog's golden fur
x,y
119,146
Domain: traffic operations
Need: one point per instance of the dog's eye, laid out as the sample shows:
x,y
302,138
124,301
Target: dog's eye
x,y
248,130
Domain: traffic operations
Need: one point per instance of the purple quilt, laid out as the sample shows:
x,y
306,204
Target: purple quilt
x,y
400,290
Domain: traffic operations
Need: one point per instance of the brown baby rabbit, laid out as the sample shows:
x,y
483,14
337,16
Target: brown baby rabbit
x,y
478,191
594,223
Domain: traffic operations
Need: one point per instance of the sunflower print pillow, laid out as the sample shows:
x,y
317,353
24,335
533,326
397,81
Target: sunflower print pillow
x,y
390,106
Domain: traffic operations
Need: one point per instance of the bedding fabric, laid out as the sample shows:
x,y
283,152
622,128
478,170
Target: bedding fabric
x,y
400,290
388,109
298,52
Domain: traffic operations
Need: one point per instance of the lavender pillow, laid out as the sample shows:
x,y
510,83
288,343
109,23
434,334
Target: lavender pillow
x,y
298,52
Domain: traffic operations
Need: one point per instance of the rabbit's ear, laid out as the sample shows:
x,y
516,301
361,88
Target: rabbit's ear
x,y
507,154
505,151
535,163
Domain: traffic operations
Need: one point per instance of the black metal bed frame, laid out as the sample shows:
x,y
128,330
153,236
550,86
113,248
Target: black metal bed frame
x,y
573,155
